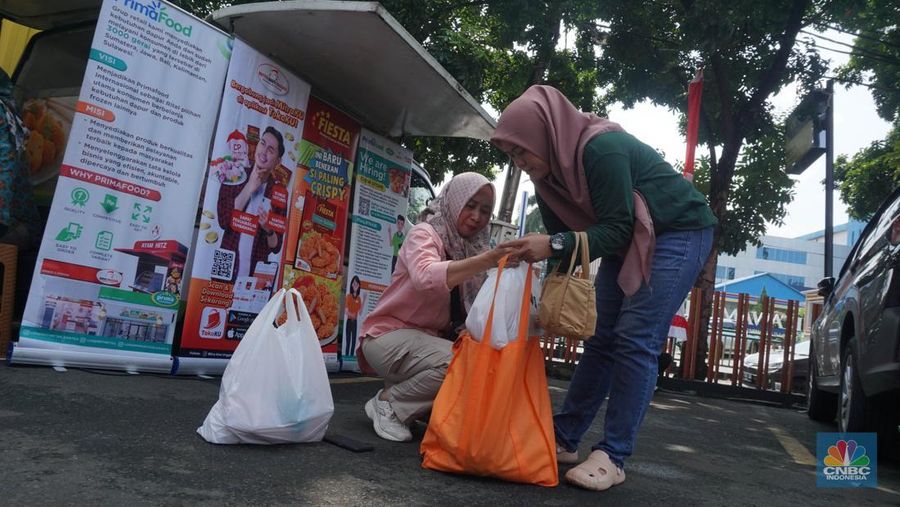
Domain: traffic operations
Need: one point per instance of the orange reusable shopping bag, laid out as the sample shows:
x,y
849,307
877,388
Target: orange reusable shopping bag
x,y
492,416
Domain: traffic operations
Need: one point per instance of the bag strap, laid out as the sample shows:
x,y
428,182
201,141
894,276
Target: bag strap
x,y
585,256
526,305
574,254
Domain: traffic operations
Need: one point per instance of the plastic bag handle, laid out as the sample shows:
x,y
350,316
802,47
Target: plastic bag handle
x,y
526,303
486,336
290,306
304,312
268,313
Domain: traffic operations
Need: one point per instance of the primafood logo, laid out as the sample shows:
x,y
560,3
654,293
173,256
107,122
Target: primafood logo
x,y
846,460
272,78
156,11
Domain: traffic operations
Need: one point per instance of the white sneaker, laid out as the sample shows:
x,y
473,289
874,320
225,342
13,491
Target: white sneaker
x,y
385,421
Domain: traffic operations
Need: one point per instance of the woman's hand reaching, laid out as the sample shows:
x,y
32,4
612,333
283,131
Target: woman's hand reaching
x,y
492,257
530,248
461,270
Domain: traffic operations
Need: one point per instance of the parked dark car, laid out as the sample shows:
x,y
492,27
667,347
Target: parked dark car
x,y
855,351
799,369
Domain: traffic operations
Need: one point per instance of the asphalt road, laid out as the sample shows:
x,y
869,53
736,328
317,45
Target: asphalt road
x,y
78,437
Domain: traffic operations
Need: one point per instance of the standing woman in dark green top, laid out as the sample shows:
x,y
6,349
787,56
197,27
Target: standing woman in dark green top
x,y
592,176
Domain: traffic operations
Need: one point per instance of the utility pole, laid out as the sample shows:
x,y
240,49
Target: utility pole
x,y
829,181
508,197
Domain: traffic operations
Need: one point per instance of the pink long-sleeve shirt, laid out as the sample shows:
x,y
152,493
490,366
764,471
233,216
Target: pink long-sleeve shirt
x,y
418,296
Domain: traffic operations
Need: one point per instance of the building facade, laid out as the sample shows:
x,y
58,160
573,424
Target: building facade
x,y
798,262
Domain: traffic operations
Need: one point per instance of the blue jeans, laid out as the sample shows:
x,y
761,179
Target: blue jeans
x,y
621,358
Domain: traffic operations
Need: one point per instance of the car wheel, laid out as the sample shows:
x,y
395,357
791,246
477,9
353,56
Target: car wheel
x,y
820,405
852,405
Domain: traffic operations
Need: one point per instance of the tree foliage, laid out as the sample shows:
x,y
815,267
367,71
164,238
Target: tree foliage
x,y
875,55
533,220
496,50
870,176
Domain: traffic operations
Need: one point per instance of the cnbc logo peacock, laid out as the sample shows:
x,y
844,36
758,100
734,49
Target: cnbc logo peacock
x,y
846,461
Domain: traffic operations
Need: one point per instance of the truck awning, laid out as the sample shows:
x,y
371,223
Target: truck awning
x,y
47,14
360,59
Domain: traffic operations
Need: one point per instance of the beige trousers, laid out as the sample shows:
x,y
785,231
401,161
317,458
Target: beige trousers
x,y
413,365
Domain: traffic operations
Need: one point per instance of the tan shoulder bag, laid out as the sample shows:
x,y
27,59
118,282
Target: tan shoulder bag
x,y
568,304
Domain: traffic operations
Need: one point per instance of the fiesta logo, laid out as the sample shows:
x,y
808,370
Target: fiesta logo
x,y
847,460
273,79
330,129
156,11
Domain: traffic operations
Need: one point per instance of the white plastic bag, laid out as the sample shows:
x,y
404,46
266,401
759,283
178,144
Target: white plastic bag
x,y
507,307
275,388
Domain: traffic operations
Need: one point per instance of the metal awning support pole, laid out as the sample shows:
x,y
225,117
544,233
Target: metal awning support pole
x,y
829,181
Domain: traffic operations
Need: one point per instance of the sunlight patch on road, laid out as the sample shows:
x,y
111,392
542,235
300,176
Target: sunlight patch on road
x,y
661,406
793,447
680,448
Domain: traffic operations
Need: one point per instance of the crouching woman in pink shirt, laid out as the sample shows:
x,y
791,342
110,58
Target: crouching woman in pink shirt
x,y
407,339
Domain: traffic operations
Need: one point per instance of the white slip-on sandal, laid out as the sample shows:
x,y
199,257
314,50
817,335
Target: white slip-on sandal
x,y
597,473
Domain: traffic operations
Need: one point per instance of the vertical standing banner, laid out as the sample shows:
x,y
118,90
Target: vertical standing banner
x,y
317,225
380,202
108,280
243,219
695,94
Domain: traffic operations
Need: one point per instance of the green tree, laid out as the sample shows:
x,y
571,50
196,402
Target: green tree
x,y
533,220
875,52
749,52
496,50
870,176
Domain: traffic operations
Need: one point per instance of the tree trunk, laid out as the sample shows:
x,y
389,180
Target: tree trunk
x,y
720,181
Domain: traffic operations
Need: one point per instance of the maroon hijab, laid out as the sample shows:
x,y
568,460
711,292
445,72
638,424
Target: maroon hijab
x,y
544,122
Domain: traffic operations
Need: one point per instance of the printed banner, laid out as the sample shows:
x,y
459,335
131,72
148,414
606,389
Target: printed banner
x,y
379,227
108,280
244,212
317,226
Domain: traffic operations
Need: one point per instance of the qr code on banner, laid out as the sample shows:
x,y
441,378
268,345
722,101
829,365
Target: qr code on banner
x,y
364,205
223,264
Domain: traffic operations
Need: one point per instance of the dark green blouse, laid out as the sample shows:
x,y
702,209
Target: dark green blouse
x,y
616,163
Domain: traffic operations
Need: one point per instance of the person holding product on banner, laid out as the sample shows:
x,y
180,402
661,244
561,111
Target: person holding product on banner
x,y
19,219
653,230
396,239
252,197
407,338
353,303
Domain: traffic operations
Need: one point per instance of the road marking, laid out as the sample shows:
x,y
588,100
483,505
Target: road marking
x,y
353,380
793,447
887,490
